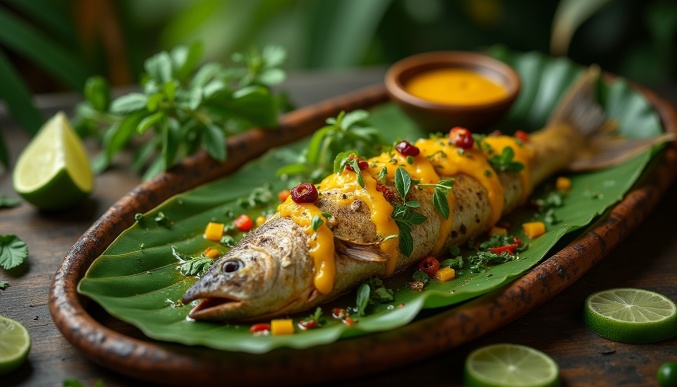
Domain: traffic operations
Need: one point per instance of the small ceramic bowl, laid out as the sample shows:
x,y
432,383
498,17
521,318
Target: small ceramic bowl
x,y
440,117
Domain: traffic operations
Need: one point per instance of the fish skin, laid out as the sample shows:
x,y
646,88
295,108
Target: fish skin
x,y
274,293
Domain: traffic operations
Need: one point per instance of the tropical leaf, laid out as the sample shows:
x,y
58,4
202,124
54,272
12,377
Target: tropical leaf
x,y
137,278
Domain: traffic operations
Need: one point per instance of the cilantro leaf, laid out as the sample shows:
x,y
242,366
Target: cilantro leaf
x,y
13,251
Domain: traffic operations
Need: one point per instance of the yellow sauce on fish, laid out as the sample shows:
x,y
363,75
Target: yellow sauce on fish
x,y
522,155
420,169
449,160
381,211
321,241
455,86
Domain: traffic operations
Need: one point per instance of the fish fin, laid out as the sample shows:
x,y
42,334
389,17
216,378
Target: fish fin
x,y
607,151
366,253
603,146
579,107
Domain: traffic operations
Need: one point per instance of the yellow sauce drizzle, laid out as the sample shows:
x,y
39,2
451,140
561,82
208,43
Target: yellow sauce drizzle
x,y
381,211
522,155
321,242
420,169
455,86
449,162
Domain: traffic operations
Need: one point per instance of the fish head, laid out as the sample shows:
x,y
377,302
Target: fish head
x,y
268,273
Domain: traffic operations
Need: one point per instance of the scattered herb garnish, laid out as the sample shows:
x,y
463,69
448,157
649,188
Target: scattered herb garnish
x,y
349,158
441,195
192,265
185,107
403,214
313,321
346,131
13,251
506,161
3,285
9,202
362,301
546,206
316,222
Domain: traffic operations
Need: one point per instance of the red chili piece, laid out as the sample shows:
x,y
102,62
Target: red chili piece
x,y
339,313
307,324
304,193
260,328
522,136
461,137
388,194
348,321
517,241
243,223
509,248
406,149
429,265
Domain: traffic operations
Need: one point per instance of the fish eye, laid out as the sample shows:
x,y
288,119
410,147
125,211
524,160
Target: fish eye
x,y
231,266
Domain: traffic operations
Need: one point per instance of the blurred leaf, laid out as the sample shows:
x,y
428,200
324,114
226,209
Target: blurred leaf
x,y
569,16
215,142
49,17
97,93
4,152
17,97
52,57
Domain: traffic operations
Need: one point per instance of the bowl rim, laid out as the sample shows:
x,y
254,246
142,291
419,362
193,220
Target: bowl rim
x,y
437,59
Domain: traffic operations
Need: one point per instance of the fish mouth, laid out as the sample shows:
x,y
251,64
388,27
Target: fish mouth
x,y
215,308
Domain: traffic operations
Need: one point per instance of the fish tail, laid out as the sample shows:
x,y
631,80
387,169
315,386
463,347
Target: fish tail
x,y
602,147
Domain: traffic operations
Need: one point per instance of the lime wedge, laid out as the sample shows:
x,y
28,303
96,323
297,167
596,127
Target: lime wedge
x,y
53,171
15,343
631,315
510,365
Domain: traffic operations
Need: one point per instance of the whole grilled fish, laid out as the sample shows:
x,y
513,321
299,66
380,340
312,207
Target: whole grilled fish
x,y
289,264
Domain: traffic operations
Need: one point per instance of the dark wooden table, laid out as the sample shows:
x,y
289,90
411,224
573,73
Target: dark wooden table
x,y
647,259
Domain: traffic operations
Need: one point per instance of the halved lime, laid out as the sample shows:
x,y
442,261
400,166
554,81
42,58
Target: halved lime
x,y
510,365
631,315
15,343
53,171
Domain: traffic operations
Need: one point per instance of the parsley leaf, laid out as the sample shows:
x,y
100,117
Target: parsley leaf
x,y
192,265
13,251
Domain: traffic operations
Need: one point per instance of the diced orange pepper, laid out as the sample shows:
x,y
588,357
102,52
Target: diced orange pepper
x,y
563,184
445,274
533,229
498,231
283,195
214,232
282,327
212,253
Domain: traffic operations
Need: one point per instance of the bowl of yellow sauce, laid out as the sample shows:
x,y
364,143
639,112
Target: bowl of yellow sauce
x,y
443,89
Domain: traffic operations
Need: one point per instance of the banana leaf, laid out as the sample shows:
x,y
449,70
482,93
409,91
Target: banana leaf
x,y
137,279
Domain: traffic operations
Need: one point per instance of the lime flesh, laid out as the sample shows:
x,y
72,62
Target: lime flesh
x,y
630,315
53,171
15,343
510,365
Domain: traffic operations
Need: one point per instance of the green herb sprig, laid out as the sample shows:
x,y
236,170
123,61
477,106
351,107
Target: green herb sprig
x,y
13,251
192,265
345,131
506,161
184,106
441,195
403,215
346,158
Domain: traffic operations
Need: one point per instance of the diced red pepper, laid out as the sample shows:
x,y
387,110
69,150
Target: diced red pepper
x,y
260,329
339,313
516,240
388,194
348,321
509,248
243,223
522,135
307,324
429,265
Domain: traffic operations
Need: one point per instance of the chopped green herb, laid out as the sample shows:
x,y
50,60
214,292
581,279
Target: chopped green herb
x,y
379,292
13,251
362,301
505,161
196,266
316,222
162,220
327,215
420,276
3,285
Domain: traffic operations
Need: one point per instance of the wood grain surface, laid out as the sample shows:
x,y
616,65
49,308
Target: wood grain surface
x,y
646,258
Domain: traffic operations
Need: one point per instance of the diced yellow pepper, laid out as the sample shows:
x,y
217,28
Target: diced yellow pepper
x,y
445,274
533,229
260,220
498,231
282,327
214,232
563,184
